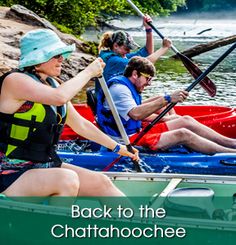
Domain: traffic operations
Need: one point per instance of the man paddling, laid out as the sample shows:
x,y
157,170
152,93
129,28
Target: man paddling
x,y
175,130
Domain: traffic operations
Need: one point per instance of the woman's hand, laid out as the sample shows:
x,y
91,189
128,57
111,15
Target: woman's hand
x,y
166,43
124,152
95,69
146,20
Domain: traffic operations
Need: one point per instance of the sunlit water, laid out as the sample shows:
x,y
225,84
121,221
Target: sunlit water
x,y
184,34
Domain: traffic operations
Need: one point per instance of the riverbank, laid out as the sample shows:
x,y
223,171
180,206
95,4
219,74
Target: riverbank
x,y
14,23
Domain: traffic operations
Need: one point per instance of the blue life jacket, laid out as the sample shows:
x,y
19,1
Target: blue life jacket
x,y
115,66
105,118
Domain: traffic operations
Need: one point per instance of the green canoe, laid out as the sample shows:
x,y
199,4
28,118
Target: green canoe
x,y
166,209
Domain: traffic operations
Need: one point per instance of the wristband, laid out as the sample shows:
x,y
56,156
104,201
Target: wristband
x,y
167,98
117,148
148,30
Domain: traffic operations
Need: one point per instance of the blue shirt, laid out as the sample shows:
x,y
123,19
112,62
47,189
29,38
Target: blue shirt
x,y
115,64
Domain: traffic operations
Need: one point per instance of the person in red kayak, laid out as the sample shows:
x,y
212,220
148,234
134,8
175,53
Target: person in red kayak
x,y
34,106
173,130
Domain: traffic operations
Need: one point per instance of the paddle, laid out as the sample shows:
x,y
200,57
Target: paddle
x,y
206,83
171,105
189,88
118,121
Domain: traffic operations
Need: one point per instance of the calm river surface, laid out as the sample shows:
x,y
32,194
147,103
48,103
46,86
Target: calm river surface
x,y
172,75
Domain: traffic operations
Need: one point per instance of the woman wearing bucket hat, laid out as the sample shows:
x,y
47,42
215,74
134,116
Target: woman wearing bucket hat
x,y
33,110
115,49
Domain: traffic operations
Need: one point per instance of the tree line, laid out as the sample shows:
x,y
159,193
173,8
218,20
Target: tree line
x,y
73,16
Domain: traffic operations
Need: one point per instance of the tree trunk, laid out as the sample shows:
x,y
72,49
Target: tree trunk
x,y
202,48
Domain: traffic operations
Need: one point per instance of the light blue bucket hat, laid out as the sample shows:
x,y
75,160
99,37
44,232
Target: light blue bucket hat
x,y
39,46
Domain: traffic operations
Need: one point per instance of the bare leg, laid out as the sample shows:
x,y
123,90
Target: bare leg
x,y
192,140
45,182
201,130
70,181
99,185
94,183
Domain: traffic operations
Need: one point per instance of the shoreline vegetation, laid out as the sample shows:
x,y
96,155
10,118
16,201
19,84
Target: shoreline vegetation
x,y
17,20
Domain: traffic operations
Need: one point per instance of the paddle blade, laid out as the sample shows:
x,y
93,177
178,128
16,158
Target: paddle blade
x,y
206,83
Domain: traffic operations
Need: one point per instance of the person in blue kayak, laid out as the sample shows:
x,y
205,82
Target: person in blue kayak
x,y
173,130
34,106
115,49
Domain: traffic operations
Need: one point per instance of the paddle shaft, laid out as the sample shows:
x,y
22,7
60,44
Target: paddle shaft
x,y
207,84
189,88
150,24
117,119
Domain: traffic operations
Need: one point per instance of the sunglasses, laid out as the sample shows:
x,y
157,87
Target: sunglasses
x,y
58,56
148,77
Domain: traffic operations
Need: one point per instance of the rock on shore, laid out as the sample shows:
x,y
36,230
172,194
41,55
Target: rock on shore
x,y
15,22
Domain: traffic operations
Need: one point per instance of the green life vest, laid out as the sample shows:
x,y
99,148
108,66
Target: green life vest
x,y
32,133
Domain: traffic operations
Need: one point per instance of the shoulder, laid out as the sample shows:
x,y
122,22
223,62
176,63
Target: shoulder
x,y
118,89
118,79
17,77
118,59
140,52
107,55
9,73
17,83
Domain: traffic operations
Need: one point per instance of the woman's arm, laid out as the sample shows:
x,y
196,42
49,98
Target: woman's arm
x,y
149,35
166,44
18,87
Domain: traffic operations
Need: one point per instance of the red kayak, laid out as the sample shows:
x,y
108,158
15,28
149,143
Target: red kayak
x,y
221,119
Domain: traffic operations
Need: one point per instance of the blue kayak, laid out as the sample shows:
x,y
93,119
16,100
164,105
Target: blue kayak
x,y
177,160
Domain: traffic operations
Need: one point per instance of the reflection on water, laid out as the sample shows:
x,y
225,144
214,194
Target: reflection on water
x,y
172,75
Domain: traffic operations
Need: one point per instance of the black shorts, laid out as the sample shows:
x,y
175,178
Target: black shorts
x,y
7,179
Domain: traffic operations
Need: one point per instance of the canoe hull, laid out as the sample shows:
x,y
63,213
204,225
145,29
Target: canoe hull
x,y
221,119
38,219
175,162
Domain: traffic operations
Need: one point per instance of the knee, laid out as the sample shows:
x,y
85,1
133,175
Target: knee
x,y
104,183
68,183
183,135
187,120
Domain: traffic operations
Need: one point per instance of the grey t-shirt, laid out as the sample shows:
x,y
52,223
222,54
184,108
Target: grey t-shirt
x,y
123,100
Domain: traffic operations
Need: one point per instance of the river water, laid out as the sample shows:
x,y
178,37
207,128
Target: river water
x,y
171,75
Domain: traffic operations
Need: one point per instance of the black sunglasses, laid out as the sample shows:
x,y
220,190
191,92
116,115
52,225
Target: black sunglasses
x,y
58,56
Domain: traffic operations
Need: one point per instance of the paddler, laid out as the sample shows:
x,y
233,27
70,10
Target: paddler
x,y
173,130
34,106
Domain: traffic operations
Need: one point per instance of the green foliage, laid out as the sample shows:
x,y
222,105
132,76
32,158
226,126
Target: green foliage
x,y
159,7
170,65
76,15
